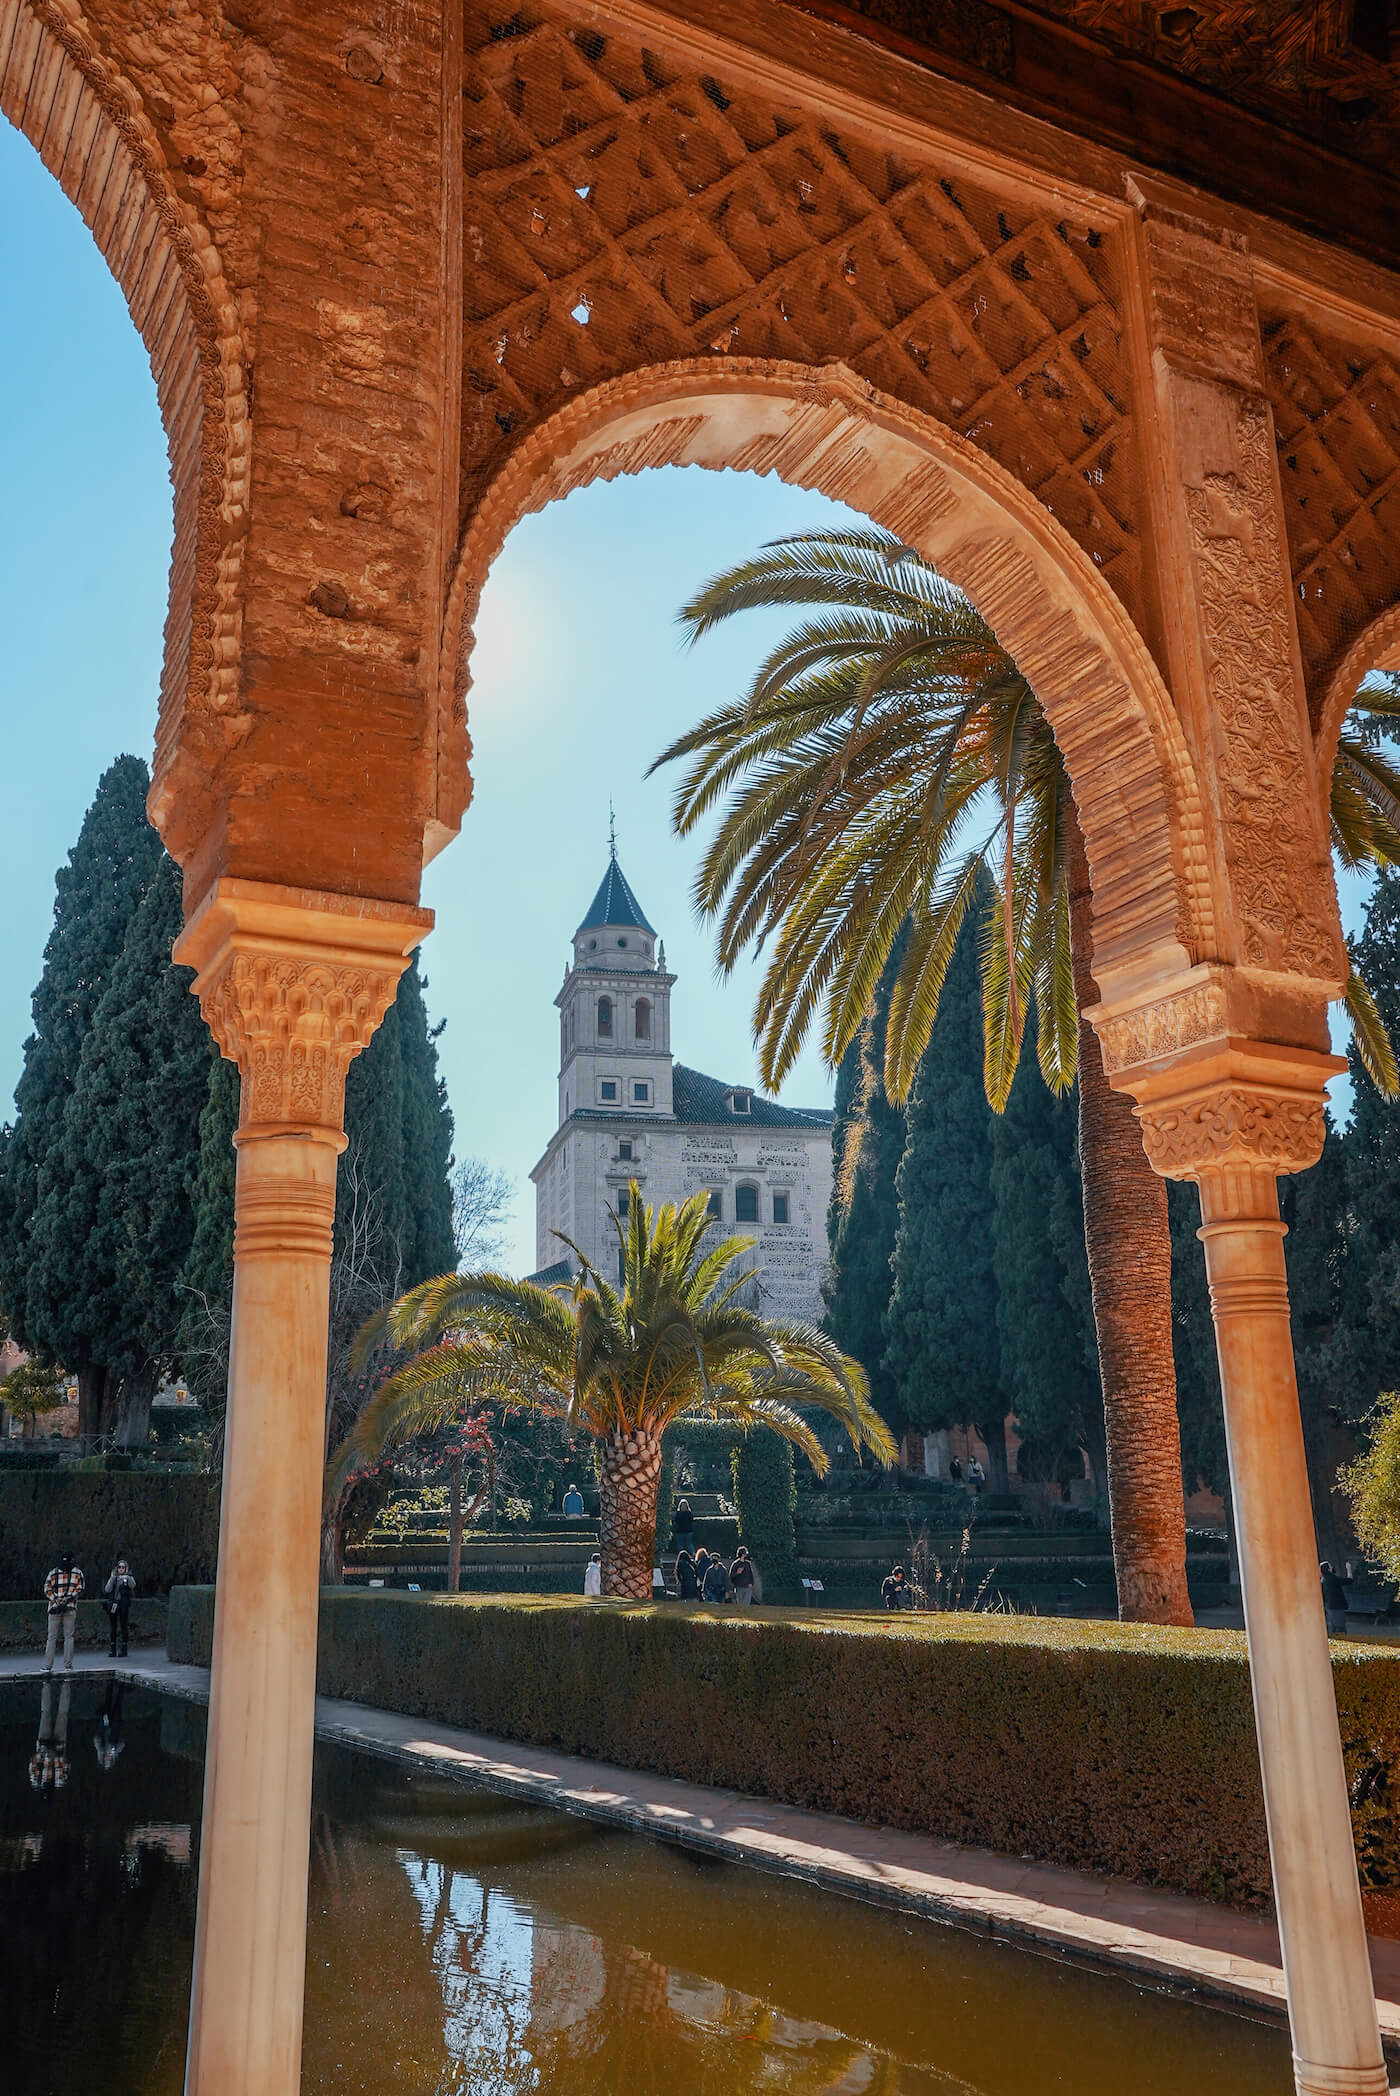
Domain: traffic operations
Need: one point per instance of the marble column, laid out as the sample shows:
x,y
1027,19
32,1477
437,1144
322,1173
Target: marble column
x,y
293,984
1233,1131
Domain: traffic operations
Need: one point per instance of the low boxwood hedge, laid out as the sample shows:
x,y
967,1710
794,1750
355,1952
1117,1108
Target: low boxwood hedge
x,y
167,1526
24,1625
1104,1746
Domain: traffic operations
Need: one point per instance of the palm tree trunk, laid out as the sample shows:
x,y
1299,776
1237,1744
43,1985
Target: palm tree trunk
x,y
631,1475
1128,1241
454,1526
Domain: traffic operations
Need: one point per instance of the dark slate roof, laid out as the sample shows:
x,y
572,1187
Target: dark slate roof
x,y
701,1098
552,1276
614,903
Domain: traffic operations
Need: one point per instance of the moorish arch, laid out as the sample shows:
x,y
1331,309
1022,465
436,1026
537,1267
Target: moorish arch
x,y
88,125
830,431
1376,648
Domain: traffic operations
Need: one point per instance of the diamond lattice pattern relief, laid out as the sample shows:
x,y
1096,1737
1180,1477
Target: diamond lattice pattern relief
x,y
622,211
1337,419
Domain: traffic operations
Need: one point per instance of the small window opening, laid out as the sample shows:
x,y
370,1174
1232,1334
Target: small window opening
x,y
624,1153
716,1208
605,1015
740,1101
641,1092
781,1212
607,1091
746,1204
643,1019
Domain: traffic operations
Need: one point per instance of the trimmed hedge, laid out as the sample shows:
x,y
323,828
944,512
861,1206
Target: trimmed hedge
x,y
1112,1747
167,1526
24,1625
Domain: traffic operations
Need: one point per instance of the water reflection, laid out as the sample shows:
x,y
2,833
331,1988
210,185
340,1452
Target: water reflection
x,y
49,1767
463,1945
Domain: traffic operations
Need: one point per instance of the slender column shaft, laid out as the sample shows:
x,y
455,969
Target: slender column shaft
x,y
250,1942
293,985
1331,2003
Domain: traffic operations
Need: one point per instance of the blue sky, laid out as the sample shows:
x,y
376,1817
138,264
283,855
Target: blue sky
x,y
578,681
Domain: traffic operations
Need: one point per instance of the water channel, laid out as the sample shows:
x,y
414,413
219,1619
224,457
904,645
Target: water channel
x,y
459,1942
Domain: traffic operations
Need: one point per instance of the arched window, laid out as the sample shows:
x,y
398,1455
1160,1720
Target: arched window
x,y
605,1015
643,1019
746,1204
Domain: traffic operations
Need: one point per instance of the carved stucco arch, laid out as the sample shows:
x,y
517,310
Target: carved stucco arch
x,y
87,123
826,429
1376,647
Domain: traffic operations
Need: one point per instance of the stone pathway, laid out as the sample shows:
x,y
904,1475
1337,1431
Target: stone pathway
x,y
1162,1939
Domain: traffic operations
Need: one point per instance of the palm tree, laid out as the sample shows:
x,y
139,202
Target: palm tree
x,y
672,1344
889,765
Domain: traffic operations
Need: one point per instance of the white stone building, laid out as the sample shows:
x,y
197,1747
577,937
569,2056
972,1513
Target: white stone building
x,y
627,1110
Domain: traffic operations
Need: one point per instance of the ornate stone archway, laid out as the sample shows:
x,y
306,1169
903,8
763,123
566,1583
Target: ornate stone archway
x,y
88,125
829,430
1376,648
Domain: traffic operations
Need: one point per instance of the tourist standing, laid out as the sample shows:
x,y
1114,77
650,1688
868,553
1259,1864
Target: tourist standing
x,y
741,1578
683,1525
976,1475
892,1588
573,1504
593,1577
702,1566
120,1592
687,1585
62,1590
1334,1601
716,1586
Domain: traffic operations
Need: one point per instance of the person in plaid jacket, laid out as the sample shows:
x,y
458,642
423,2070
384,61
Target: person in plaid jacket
x,y
62,1590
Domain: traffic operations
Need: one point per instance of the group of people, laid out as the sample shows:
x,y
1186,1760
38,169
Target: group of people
x,y
974,1475
64,1589
706,1577
702,1577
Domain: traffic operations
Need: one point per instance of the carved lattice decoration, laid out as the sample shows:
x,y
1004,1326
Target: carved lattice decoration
x,y
1337,419
622,211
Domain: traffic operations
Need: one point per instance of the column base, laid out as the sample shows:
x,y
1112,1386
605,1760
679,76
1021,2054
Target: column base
x,y
1311,2080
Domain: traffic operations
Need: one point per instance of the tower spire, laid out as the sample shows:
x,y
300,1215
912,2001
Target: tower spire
x,y
612,830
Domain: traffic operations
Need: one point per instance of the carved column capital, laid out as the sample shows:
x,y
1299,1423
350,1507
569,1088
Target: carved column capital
x,y
1233,1112
293,984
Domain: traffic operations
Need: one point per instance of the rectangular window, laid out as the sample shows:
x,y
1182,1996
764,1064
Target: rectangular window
x,y
624,1203
716,1208
624,1152
607,1090
641,1091
780,1208
746,1204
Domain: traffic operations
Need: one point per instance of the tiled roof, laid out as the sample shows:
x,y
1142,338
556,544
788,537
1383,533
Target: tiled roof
x,y
552,1276
706,1099
614,903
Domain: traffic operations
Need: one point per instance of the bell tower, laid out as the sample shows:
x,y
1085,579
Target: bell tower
x,y
615,1011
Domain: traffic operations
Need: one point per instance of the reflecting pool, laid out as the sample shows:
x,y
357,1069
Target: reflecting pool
x,y
462,1943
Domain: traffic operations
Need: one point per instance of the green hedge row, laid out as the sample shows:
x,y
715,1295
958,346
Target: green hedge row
x,y
1104,1746
168,1527
24,1625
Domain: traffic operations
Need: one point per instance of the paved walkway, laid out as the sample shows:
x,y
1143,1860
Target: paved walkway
x,y
1161,1938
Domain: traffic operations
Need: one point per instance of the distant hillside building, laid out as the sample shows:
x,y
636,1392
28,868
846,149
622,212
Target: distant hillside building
x,y
627,1111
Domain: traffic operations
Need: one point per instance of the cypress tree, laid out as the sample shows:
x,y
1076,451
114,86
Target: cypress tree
x,y
942,1349
96,896
1366,1345
117,1217
864,1215
430,1244
1044,1315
